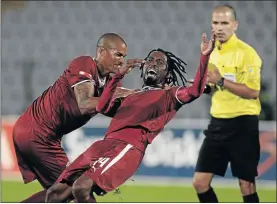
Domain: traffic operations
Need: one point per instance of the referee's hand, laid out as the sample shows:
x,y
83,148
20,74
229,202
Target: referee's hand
x,y
214,76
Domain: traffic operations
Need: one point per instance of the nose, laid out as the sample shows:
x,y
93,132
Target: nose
x,y
121,60
153,63
219,27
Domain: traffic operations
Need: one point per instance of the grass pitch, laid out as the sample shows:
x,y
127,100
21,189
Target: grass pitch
x,y
15,191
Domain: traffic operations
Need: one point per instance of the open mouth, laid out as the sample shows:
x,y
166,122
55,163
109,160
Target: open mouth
x,y
152,72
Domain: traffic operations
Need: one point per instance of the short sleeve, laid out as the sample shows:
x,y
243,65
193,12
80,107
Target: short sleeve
x,y
252,67
80,70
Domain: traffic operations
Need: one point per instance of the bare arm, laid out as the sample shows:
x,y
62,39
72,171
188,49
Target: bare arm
x,y
84,95
249,88
241,90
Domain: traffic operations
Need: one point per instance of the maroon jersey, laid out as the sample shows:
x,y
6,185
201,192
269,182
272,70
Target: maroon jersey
x,y
56,111
149,110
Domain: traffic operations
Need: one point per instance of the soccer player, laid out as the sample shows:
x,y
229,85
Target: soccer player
x,y
65,106
137,120
232,134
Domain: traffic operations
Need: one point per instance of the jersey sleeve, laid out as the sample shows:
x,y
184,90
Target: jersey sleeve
x,y
80,70
252,67
107,104
185,95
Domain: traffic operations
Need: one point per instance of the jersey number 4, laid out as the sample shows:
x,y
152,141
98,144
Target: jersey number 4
x,y
100,162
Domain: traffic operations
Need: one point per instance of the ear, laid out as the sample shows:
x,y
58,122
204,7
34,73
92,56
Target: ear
x,y
236,24
169,74
101,51
168,78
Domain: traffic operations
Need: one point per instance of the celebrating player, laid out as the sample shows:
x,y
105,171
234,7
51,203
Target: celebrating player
x,y
65,106
137,120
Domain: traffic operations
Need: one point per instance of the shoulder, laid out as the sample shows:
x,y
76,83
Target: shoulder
x,y
173,91
247,49
83,64
83,59
250,55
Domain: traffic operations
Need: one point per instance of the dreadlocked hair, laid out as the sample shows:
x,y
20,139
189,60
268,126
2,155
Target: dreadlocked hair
x,y
176,67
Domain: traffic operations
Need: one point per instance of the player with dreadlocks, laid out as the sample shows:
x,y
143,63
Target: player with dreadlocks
x,y
175,65
137,120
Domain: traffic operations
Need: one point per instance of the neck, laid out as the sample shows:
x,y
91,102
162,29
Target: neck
x,y
101,69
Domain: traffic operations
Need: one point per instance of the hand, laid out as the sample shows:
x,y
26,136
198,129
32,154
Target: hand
x,y
214,76
130,64
207,46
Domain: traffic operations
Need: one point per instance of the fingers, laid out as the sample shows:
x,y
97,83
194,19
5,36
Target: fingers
x,y
213,36
130,64
135,61
204,37
190,81
212,41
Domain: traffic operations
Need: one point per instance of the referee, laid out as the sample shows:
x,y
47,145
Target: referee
x,y
233,132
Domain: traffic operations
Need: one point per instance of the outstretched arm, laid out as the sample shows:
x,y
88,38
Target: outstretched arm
x,y
188,94
105,104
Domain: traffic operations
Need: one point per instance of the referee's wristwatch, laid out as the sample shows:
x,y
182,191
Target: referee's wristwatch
x,y
220,83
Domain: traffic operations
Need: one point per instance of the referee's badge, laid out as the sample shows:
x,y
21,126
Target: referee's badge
x,y
251,70
230,76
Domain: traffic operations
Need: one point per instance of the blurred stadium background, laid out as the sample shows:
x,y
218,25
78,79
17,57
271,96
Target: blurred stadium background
x,y
39,38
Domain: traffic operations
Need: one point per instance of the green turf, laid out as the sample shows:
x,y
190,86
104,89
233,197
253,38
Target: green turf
x,y
17,191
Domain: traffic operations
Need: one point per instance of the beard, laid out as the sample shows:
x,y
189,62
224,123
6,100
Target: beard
x,y
150,80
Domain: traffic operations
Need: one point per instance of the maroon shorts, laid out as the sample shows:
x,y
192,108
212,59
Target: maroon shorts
x,y
39,159
109,163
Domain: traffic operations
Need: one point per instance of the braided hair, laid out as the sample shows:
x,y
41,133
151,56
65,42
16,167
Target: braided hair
x,y
176,67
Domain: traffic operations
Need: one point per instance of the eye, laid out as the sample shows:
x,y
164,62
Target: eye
x,y
160,62
118,54
225,23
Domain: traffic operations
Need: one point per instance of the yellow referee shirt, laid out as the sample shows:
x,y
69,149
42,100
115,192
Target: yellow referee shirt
x,y
240,63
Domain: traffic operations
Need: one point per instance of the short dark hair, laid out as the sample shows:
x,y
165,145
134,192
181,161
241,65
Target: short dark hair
x,y
231,8
176,67
109,36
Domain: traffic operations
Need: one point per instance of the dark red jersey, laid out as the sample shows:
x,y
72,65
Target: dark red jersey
x,y
56,111
146,112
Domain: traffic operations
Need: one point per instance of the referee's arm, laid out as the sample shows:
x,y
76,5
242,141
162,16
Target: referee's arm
x,y
250,88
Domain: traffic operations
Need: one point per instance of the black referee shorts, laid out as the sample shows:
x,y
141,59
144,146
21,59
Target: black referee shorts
x,y
233,140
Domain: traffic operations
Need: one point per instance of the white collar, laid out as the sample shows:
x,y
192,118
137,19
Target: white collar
x,y
148,88
102,81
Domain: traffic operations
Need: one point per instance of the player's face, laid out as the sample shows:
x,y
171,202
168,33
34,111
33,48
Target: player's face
x,y
113,57
155,68
223,24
